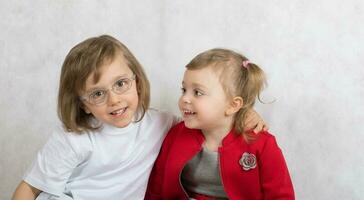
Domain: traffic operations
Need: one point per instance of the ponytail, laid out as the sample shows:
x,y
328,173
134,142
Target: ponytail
x,y
250,82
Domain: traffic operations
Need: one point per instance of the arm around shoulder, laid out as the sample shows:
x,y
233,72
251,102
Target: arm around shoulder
x,y
24,191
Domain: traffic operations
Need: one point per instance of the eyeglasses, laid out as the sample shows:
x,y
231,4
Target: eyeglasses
x,y
99,96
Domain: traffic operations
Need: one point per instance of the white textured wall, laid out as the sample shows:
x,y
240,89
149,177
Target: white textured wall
x,y
312,52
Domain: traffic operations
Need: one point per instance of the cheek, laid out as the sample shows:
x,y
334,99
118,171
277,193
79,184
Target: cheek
x,y
137,102
212,107
97,112
134,98
94,110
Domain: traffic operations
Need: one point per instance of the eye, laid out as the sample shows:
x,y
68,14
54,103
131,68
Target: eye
x,y
121,83
198,93
183,90
98,94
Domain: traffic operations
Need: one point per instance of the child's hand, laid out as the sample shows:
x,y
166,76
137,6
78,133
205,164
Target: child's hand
x,y
254,122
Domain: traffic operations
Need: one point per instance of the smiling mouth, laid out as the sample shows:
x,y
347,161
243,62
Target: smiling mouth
x,y
188,112
118,112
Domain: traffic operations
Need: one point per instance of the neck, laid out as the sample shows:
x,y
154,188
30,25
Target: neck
x,y
214,136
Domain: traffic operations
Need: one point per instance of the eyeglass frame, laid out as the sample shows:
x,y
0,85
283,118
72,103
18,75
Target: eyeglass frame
x,y
87,96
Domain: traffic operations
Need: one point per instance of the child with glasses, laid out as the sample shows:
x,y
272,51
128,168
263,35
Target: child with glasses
x,y
208,156
110,138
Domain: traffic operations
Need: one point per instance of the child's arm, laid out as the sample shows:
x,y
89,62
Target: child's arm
x,y
156,178
24,191
254,122
275,179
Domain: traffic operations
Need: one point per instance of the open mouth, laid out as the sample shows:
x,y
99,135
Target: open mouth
x,y
188,112
118,112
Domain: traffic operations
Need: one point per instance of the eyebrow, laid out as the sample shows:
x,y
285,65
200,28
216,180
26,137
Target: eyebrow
x,y
93,88
196,85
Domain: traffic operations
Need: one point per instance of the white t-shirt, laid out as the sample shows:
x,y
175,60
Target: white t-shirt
x,y
112,163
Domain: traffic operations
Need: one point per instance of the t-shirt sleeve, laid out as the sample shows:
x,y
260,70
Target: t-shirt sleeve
x,y
55,162
170,119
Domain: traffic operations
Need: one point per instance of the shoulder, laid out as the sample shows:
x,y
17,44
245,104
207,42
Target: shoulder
x,y
58,158
162,119
70,136
183,133
179,136
266,147
178,128
79,143
155,123
264,141
154,114
265,136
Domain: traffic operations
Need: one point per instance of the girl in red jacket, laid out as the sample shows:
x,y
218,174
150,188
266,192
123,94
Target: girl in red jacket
x,y
209,156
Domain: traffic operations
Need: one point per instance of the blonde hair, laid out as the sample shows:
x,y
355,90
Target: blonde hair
x,y
84,59
245,80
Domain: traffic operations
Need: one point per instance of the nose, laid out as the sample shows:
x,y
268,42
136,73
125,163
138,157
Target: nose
x,y
113,98
185,98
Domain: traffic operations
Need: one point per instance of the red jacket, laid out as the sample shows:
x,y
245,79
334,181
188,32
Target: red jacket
x,y
269,179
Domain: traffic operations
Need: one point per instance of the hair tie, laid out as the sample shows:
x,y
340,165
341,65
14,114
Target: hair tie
x,y
246,64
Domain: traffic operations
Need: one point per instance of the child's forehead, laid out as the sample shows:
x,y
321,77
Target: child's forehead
x,y
207,72
202,77
109,71
208,77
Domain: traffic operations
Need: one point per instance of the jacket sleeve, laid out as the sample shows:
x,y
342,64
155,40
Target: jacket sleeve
x,y
156,179
275,178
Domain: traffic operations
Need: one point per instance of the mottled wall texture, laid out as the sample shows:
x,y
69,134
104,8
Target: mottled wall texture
x,y
312,52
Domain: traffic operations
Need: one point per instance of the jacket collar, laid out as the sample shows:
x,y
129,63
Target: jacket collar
x,y
231,137
228,139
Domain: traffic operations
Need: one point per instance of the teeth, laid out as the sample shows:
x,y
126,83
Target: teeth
x,y
188,112
117,112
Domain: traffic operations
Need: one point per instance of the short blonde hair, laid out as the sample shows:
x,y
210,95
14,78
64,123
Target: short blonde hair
x,y
237,80
84,59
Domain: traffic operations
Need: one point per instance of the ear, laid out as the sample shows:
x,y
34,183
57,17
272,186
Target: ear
x,y
234,106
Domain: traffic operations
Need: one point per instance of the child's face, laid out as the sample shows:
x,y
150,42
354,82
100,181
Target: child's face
x,y
116,109
203,102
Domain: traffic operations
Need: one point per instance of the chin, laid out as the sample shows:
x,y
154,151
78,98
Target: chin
x,y
191,125
121,124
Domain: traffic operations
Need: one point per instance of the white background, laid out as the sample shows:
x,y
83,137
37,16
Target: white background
x,y
311,51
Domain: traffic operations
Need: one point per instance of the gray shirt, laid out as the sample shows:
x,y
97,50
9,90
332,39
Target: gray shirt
x,y
202,175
